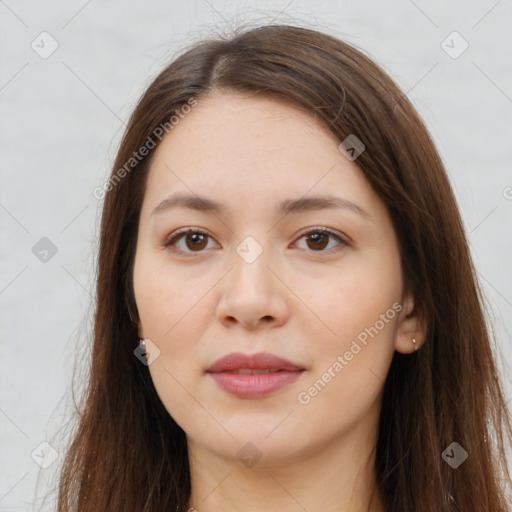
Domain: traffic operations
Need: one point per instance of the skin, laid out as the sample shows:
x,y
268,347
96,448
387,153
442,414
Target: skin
x,y
304,301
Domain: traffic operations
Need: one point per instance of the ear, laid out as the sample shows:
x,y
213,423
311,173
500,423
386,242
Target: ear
x,y
134,317
140,331
411,324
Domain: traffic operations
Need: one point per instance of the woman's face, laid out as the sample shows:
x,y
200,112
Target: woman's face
x,y
249,279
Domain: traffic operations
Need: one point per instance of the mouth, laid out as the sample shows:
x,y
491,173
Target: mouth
x,y
264,361
254,375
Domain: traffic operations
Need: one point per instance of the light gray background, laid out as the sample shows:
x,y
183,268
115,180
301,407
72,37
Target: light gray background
x,y
62,118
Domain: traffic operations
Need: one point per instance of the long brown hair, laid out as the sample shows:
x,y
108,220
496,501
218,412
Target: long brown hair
x,y
127,453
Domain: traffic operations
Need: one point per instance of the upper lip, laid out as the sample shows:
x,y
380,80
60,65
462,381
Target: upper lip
x,y
259,361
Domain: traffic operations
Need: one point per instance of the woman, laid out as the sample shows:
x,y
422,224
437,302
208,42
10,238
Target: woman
x,y
288,317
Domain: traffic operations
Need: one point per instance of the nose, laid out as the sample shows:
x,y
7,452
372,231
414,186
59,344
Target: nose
x,y
253,295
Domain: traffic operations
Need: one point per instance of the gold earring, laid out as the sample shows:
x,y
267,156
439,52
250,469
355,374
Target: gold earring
x,y
415,346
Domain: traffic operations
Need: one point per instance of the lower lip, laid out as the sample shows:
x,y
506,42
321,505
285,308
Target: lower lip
x,y
255,386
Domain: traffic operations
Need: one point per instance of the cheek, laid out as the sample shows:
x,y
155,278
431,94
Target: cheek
x,y
171,319
167,299
350,366
358,310
345,301
170,309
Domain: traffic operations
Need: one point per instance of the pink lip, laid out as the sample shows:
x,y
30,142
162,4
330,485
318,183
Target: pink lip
x,y
253,386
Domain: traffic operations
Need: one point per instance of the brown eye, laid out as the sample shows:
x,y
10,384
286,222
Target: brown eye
x,y
190,240
195,241
318,239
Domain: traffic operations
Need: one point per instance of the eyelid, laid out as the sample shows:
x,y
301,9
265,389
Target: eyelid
x,y
323,229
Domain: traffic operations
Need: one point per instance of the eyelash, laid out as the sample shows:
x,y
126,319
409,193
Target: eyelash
x,y
177,235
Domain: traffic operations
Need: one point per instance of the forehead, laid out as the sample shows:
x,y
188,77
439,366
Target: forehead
x,y
234,146
235,126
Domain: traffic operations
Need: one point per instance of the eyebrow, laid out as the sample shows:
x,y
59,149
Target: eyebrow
x,y
199,203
